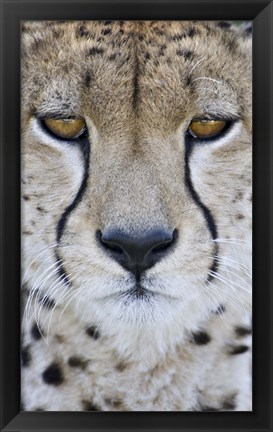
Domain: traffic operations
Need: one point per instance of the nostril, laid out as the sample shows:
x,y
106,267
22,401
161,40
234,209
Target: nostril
x,y
163,245
108,244
137,254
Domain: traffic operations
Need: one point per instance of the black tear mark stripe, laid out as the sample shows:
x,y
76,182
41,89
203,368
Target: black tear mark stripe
x,y
206,212
85,149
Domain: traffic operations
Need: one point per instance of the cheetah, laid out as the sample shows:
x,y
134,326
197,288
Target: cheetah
x,y
136,216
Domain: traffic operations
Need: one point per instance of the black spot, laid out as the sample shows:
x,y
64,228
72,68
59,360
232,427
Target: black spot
x,y
162,50
201,338
35,332
242,331
112,56
115,403
230,402
178,37
93,332
140,38
208,29
188,81
87,79
160,32
59,338
187,54
240,349
38,409
191,32
82,32
26,232
239,216
41,209
26,197
120,367
47,302
53,375
25,356
147,56
208,408
107,22
89,406
220,310
121,31
125,61
95,50
224,24
106,32
77,362
66,69
238,196
57,33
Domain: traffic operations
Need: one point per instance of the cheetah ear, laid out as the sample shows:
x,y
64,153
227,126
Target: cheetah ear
x,y
243,29
246,28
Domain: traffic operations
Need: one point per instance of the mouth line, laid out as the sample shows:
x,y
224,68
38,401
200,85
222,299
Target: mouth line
x,y
139,292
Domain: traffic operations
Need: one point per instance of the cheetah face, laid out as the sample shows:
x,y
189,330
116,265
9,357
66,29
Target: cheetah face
x,y
136,154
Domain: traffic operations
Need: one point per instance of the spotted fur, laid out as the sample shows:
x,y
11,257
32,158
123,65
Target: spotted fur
x,y
89,343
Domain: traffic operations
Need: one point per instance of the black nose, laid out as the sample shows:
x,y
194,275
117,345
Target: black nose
x,y
137,254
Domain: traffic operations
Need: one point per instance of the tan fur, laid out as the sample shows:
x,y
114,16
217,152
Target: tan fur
x,y
138,85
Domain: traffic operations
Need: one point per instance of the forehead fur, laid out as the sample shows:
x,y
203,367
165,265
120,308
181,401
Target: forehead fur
x,y
126,62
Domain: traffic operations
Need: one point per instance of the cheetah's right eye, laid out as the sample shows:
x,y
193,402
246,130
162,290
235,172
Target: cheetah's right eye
x,y
204,129
67,128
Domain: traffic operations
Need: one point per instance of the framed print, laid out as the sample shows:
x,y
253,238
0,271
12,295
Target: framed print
x,y
131,149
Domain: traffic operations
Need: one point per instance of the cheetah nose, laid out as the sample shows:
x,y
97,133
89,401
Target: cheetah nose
x,y
137,254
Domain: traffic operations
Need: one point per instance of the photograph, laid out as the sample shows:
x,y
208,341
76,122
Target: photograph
x,y
136,215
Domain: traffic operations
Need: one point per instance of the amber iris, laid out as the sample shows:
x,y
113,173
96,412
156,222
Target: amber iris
x,y
66,128
206,128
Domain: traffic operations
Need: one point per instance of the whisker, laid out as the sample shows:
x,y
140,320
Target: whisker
x,y
225,270
223,279
236,264
229,240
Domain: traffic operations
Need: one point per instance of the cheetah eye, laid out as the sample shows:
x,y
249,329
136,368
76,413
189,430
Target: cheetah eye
x,y
207,129
67,128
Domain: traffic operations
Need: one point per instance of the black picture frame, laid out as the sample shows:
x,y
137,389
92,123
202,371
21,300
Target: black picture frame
x,y
12,12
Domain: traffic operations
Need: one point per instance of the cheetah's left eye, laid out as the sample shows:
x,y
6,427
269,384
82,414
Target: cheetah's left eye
x,y
67,128
205,129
